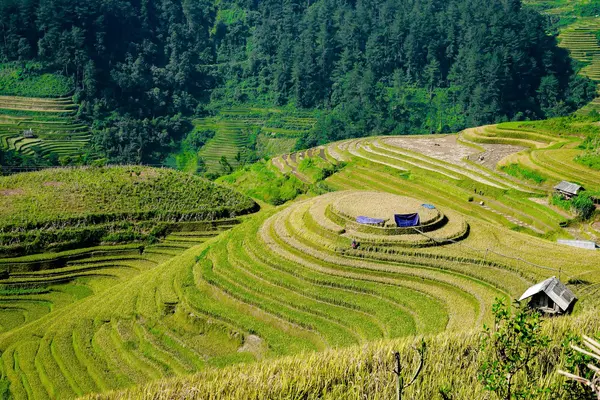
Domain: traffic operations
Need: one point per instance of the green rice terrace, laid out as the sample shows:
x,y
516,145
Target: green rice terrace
x,y
268,132
581,40
579,35
37,113
183,280
43,126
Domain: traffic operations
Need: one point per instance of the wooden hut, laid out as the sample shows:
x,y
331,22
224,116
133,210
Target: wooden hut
x,y
567,189
28,134
550,297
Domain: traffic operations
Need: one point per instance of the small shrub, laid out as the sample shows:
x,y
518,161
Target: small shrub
x,y
509,351
32,81
590,160
576,363
589,9
584,205
561,202
197,138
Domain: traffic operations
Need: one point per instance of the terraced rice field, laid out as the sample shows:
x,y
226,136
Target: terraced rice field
x,y
234,128
52,122
287,280
580,39
63,362
551,155
504,198
34,286
289,163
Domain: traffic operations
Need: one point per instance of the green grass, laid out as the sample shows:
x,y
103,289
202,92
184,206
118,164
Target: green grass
x,y
263,182
522,173
62,209
590,160
32,81
4,389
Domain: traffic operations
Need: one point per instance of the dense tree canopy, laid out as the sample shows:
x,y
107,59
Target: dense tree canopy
x,y
142,67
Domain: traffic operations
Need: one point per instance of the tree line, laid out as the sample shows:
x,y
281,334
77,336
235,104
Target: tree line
x,y
143,68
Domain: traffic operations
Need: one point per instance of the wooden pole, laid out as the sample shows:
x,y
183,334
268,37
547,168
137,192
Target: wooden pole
x,y
399,380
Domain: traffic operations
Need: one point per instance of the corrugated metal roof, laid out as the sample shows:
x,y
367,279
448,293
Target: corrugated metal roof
x,y
582,244
555,289
568,187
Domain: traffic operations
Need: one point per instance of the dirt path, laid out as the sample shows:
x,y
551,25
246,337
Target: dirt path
x,y
279,164
294,166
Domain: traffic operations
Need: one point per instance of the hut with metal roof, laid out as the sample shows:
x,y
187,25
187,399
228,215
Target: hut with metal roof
x,y
581,244
550,297
568,189
28,134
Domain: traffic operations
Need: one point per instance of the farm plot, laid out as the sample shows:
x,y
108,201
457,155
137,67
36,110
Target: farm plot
x,y
268,131
358,371
41,126
283,282
52,332
427,165
33,286
288,280
580,39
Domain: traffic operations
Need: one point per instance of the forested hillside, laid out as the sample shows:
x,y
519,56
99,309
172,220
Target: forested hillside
x,y
143,69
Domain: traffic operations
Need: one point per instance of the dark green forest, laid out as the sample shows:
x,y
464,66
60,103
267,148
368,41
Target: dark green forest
x,y
143,68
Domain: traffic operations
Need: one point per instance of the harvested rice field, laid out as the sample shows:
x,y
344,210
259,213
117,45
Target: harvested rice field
x,y
382,206
300,279
291,276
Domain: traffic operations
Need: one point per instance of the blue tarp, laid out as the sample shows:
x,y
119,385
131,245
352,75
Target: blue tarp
x,y
429,206
407,220
369,221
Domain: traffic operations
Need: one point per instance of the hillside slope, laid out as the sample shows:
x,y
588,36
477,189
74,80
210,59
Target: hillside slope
x,y
287,280
243,134
582,41
579,32
296,264
361,372
101,230
68,208
40,103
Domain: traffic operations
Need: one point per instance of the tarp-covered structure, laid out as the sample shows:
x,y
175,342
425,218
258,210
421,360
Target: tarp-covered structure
x,y
550,296
407,220
369,221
